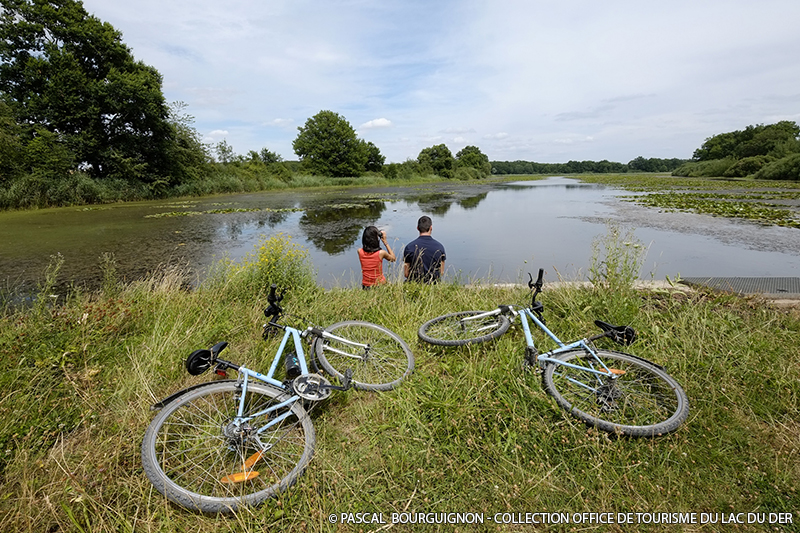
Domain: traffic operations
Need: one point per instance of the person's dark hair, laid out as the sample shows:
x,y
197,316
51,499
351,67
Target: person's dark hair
x,y
424,224
371,240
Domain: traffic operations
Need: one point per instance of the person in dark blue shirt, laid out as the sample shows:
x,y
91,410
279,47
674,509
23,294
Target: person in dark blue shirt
x,y
424,256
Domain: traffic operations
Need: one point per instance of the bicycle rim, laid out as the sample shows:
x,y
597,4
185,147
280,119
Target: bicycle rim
x,y
196,456
453,330
642,400
382,366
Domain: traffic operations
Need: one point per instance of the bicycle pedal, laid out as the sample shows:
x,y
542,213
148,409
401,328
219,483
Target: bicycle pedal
x,y
347,378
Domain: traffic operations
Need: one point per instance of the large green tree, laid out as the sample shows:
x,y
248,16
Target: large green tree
x,y
69,79
10,147
375,159
472,157
328,145
439,159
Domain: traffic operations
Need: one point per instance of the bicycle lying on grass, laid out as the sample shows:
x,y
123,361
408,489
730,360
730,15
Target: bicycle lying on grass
x,y
612,391
217,446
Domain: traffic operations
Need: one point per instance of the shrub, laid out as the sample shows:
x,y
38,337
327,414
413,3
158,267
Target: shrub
x,y
787,168
748,165
276,260
467,173
616,261
705,169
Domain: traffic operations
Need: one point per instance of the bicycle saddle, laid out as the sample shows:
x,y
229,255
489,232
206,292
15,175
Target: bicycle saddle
x,y
201,360
624,335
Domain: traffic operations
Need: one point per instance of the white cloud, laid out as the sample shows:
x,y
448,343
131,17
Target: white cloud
x,y
652,79
281,122
377,123
458,130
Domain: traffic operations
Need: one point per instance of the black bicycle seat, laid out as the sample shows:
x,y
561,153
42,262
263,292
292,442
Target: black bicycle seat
x,y
624,335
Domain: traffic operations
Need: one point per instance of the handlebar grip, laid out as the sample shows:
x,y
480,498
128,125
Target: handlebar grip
x,y
540,279
272,298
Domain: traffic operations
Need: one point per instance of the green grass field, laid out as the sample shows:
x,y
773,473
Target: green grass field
x,y
469,432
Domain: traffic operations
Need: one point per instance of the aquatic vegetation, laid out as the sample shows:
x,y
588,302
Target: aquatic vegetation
x,y
231,210
764,213
732,198
175,214
223,211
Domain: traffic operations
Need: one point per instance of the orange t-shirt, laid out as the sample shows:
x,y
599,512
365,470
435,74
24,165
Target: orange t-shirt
x,y
371,268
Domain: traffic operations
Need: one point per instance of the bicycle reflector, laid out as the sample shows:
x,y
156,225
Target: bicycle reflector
x,y
198,362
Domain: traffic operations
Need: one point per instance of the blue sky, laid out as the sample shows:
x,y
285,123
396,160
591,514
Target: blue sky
x,y
533,80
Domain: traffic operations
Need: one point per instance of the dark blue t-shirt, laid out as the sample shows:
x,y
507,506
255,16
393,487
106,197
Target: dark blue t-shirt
x,y
424,256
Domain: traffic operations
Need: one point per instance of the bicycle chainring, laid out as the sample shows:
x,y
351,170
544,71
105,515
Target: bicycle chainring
x,y
312,387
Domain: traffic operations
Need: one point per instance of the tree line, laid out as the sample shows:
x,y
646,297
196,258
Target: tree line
x,y
640,164
760,151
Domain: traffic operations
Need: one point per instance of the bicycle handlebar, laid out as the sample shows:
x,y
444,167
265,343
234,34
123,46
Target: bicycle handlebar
x,y
274,300
539,281
536,286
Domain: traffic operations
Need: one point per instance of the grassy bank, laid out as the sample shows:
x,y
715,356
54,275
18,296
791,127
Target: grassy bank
x,y
80,189
468,432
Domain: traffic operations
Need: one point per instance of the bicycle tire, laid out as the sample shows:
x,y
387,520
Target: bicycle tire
x,y
644,401
449,330
386,363
191,455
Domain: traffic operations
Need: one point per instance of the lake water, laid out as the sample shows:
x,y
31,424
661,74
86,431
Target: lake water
x,y
499,231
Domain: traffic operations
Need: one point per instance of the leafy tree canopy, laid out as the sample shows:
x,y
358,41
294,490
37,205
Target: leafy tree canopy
x,y
764,152
327,145
69,80
472,157
375,160
752,141
439,159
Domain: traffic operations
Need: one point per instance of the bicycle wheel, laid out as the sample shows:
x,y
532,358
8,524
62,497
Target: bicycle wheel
x,y
453,330
380,365
196,454
641,400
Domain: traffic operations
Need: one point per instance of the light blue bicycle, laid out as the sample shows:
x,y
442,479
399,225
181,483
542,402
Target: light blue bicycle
x,y
218,446
612,391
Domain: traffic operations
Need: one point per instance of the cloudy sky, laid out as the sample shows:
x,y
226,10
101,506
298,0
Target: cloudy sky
x,y
534,80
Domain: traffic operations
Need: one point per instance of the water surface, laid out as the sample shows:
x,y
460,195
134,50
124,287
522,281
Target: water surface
x,y
498,230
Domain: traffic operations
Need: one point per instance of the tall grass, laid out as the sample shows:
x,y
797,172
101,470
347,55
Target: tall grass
x,y
468,432
78,188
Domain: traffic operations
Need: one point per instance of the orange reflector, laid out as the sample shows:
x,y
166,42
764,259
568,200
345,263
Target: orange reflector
x,y
615,371
240,476
245,476
253,459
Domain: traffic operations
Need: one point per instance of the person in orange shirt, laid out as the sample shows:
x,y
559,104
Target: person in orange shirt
x,y
371,256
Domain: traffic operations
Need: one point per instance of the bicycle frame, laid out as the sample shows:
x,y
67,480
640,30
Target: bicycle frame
x,y
245,374
296,336
547,357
